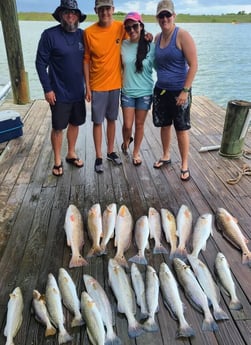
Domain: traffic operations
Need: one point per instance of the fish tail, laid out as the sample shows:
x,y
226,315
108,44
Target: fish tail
x,y
103,249
150,325
235,305
172,254
220,314
121,260
64,337
246,258
50,331
209,325
94,251
185,331
135,330
138,259
113,340
159,249
180,253
77,321
77,261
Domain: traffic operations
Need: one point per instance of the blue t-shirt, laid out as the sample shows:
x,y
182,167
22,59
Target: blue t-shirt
x,y
171,65
136,84
59,63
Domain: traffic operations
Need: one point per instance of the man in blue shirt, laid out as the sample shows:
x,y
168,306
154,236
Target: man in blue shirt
x,y
59,64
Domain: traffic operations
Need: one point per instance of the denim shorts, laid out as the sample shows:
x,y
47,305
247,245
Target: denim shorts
x,y
166,112
139,103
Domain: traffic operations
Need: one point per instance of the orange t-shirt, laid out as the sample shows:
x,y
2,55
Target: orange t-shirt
x,y
102,53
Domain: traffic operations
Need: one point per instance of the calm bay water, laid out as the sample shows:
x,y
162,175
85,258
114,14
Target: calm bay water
x,y
223,52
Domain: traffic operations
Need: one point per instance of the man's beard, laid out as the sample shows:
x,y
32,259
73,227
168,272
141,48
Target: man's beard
x,y
69,27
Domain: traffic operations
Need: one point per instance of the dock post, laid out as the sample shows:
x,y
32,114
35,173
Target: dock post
x,y
237,121
18,76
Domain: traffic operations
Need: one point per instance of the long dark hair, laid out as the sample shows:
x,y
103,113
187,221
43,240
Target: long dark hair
x,y
143,49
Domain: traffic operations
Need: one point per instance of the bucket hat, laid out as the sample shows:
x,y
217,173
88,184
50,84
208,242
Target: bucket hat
x,y
165,5
102,3
68,5
135,16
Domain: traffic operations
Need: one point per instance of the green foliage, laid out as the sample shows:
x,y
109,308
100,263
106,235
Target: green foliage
x,y
240,17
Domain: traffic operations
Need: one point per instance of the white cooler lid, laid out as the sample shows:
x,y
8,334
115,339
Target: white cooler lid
x,y
8,115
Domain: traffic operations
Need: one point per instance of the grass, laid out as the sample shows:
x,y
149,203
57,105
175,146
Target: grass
x,y
181,18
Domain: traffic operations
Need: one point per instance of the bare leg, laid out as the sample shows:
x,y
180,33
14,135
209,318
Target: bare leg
x,y
183,143
111,127
72,135
56,141
97,136
139,131
128,118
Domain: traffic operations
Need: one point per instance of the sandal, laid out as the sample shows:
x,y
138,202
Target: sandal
x,y
161,162
123,149
136,161
75,161
59,169
183,172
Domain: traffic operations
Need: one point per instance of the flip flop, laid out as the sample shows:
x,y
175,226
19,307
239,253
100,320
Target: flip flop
x,y
74,161
159,164
123,149
136,161
183,172
57,168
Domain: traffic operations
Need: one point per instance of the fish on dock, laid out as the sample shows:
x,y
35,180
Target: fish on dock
x,y
169,226
74,230
41,313
152,299
55,308
125,297
202,230
69,296
154,220
95,230
98,294
208,285
108,225
141,235
231,230
184,221
194,293
123,234
14,315
94,324
173,302
138,284
224,274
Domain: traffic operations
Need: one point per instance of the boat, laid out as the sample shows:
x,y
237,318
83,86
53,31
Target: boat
x,y
5,86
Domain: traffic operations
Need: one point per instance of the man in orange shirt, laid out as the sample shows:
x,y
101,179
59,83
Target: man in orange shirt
x,y
102,70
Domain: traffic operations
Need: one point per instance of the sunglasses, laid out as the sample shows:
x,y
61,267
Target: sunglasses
x,y
164,14
135,27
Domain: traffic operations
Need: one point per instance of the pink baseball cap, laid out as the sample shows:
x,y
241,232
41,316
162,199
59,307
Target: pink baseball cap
x,y
135,16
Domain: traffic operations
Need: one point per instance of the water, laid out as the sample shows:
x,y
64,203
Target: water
x,y
223,54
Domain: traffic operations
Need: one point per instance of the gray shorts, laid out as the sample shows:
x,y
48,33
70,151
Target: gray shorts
x,y
105,104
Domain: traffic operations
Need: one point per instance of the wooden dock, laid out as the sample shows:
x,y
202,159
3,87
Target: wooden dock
x,y
33,204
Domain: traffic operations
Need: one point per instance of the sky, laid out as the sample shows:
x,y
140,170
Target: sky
x,y
144,6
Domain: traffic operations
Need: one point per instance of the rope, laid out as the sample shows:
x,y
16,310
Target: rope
x,y
246,170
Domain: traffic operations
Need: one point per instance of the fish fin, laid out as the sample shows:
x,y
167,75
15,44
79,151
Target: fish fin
x,y
138,259
173,315
64,337
160,249
94,251
209,325
185,332
135,330
77,261
121,260
77,321
235,305
50,331
114,340
150,325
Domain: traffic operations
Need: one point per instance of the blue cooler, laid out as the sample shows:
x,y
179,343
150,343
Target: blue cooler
x,y
11,126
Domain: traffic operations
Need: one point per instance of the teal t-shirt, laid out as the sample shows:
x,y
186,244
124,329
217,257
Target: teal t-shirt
x,y
136,84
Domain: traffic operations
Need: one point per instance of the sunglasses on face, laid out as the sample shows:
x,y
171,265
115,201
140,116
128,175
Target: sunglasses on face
x,y
164,14
70,12
135,27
